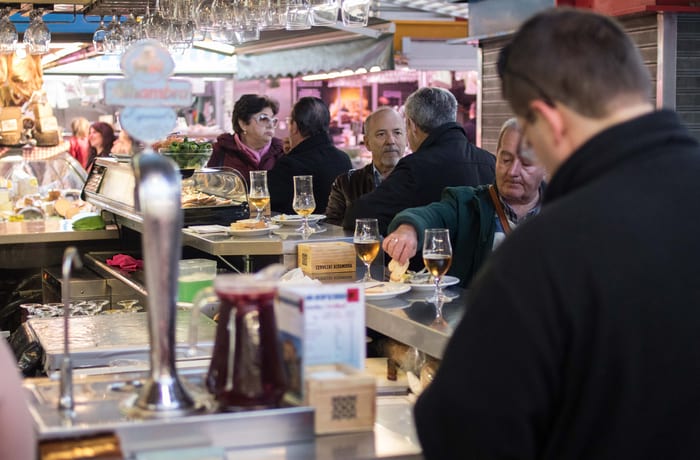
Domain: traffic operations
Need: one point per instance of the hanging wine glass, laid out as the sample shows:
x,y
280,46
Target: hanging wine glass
x,y
8,33
131,30
114,37
37,37
98,38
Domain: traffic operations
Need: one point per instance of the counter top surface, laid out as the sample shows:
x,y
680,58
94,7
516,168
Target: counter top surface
x,y
50,230
410,319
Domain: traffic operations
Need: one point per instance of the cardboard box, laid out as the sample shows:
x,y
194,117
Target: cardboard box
x,y
344,398
330,257
46,124
10,119
319,325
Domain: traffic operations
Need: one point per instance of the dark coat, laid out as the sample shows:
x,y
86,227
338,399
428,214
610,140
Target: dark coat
x,y
345,189
444,159
581,338
315,156
226,153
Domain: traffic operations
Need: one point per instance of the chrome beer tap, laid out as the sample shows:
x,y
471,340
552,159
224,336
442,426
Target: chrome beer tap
x,y
71,259
159,190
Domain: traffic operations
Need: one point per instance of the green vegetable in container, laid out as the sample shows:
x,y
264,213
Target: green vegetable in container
x,y
89,223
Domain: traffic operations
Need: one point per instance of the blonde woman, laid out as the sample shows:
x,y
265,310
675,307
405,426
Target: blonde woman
x,y
79,145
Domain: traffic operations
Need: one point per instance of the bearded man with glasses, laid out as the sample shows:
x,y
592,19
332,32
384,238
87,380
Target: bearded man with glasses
x,y
253,145
581,338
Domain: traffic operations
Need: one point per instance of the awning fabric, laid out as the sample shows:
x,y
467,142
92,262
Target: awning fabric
x,y
350,54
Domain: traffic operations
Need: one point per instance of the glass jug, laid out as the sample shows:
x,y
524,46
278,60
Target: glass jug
x,y
246,370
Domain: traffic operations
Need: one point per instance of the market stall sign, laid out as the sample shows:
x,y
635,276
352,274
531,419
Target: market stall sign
x,y
148,93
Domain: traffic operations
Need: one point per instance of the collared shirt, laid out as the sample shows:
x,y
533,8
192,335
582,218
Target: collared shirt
x,y
512,217
378,178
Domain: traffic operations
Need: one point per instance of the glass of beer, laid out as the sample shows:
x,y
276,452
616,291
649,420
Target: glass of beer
x,y
259,195
366,240
437,257
304,203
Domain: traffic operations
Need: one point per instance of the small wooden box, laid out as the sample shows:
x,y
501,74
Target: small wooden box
x,y
330,257
344,398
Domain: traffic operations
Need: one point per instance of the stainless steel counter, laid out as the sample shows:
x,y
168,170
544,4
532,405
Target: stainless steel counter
x,y
50,231
408,318
33,244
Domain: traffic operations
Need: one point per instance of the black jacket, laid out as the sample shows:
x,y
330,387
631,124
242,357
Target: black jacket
x,y
582,338
444,159
315,156
345,189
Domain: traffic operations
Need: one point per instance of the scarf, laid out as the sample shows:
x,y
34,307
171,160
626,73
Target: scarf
x,y
256,154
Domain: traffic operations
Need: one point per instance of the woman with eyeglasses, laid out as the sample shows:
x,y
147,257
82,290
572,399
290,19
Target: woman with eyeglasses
x,y
253,145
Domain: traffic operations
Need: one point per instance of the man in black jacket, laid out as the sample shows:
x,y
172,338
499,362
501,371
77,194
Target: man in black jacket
x,y
312,153
385,138
441,157
581,340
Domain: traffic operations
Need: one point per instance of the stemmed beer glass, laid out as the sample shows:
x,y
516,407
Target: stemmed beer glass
x,y
437,257
366,240
259,195
304,203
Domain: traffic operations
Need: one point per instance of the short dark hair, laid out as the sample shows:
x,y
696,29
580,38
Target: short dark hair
x,y
248,105
431,107
311,116
582,59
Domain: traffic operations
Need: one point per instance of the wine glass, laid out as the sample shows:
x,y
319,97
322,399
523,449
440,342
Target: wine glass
x,y
259,194
114,37
437,257
304,203
37,37
8,33
366,240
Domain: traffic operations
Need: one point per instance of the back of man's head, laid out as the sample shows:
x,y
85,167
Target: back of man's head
x,y
311,116
581,59
430,108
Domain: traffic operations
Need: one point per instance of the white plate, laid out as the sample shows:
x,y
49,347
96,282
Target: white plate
x,y
252,231
447,281
293,219
386,290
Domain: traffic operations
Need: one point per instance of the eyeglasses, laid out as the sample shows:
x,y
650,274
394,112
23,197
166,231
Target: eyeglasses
x,y
264,118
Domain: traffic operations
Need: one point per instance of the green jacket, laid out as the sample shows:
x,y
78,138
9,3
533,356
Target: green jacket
x,y
469,214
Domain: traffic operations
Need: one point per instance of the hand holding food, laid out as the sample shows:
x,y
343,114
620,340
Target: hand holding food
x,y
402,243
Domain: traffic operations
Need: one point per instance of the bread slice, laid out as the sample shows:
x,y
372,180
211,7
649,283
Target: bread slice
x,y
248,224
397,270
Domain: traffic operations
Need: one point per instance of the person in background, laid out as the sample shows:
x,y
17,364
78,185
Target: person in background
x,y
312,153
101,138
581,336
17,436
79,144
124,145
470,124
478,217
253,145
385,138
442,157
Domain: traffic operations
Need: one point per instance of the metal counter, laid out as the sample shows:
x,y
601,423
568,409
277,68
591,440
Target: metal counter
x,y
32,244
50,231
408,318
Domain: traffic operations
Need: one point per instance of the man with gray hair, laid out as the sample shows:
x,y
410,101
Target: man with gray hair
x,y
442,157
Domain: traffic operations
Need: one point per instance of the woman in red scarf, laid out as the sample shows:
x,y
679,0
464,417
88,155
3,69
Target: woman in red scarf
x,y
253,145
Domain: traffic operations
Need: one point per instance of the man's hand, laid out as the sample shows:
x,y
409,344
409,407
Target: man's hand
x,y
402,243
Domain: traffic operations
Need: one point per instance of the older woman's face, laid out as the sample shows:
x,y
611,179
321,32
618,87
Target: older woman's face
x,y
95,139
260,129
